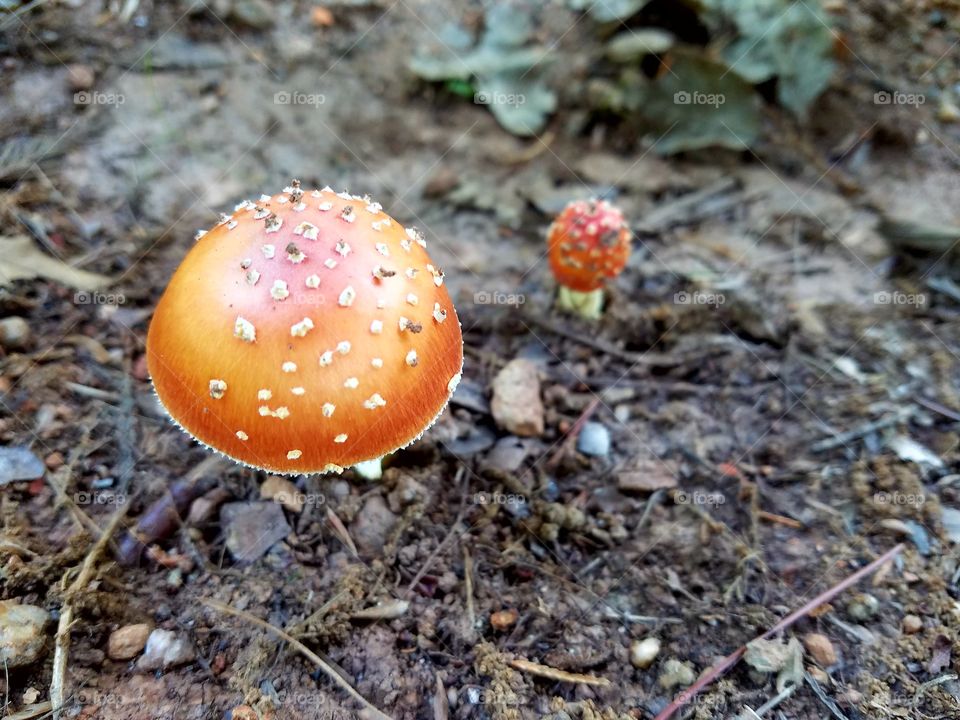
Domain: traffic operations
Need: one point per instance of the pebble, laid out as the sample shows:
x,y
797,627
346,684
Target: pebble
x,y
912,624
165,649
644,652
508,454
22,637
863,606
647,477
516,404
80,77
504,619
252,528
18,463
280,490
372,525
820,649
127,642
676,673
15,333
594,440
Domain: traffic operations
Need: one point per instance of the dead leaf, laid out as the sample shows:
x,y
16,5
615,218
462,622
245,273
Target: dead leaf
x,y
20,258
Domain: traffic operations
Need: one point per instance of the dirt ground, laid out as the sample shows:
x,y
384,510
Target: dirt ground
x,y
777,370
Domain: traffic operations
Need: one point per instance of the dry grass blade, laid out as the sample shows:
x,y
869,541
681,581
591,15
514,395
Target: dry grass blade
x,y
550,673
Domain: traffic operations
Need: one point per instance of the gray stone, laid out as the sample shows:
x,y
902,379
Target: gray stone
x,y
252,528
594,440
22,637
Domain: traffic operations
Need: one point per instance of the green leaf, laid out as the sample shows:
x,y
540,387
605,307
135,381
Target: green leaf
x,y
698,104
521,105
634,44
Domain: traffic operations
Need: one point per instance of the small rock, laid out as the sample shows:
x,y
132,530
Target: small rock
x,y
18,463
22,635
912,624
820,649
127,642
644,652
372,525
282,491
165,649
516,404
252,528
203,508
15,333
863,606
254,14
594,440
647,476
817,674
676,673
504,619
508,454
321,17
948,111
407,492
441,181
80,77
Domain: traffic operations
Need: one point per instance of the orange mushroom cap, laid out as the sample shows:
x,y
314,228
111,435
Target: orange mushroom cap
x,y
306,332
588,243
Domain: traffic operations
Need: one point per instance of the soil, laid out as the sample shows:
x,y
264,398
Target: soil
x,y
777,368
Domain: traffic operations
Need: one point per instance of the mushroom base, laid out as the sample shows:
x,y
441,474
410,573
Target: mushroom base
x,y
370,469
588,305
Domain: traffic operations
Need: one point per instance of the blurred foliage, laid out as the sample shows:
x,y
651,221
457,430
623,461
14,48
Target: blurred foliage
x,y
500,64
692,94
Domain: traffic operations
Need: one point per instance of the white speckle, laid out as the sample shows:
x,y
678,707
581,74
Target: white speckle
x,y
326,358
289,367
347,297
411,272
416,236
374,208
283,199
300,207
386,222
325,206
269,251
264,411
245,263
348,214
217,389
328,409
259,213
407,324
279,290
199,234
265,198
377,225
294,254
452,385
345,195
439,314
341,438
331,467
297,390
242,205
315,194
377,363
241,435
383,249
252,277
264,394
342,248
374,402
231,225
412,299
330,263
301,328
380,272
412,358
294,455
376,327
312,281
273,223
352,383
244,330
381,303
281,412
308,230
343,347
405,244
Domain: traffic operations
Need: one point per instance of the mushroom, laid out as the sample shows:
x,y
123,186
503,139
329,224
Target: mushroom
x,y
292,339
588,244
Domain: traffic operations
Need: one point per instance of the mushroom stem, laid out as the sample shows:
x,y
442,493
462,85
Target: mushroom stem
x,y
588,305
369,469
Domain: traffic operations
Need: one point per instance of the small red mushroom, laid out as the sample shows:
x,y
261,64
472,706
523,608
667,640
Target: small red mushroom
x,y
589,244
306,332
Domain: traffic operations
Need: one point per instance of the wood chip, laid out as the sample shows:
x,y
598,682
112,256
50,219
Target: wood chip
x,y
559,675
